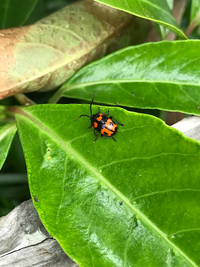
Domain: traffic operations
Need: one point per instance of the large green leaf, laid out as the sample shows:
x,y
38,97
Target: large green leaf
x,y
154,10
7,132
134,202
163,75
15,13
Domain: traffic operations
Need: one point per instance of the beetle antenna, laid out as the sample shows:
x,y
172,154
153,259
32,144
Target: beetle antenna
x,y
91,105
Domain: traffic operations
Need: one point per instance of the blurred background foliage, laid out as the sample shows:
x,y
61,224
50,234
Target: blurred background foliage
x,y
13,177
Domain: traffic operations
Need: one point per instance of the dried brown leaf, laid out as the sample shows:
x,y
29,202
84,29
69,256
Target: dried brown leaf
x,y
43,55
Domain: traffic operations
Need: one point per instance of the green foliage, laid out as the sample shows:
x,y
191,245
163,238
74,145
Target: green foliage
x,y
154,10
157,71
7,131
15,13
134,202
102,201
195,12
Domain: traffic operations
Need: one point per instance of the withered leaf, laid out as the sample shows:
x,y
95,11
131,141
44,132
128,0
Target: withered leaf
x,y
43,55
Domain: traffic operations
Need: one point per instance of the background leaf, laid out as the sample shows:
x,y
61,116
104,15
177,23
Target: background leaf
x,y
134,202
155,10
154,75
7,132
170,3
43,55
195,12
15,12
45,8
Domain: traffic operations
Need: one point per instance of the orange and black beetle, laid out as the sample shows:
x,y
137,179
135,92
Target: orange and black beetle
x,y
102,123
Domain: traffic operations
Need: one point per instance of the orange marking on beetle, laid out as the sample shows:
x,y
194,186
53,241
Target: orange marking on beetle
x,y
100,117
110,124
106,132
95,125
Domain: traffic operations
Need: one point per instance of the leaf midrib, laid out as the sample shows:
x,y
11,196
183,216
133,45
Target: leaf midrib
x,y
140,215
80,85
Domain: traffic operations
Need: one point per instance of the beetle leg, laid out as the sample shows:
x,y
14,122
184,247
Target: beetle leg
x,y
111,117
82,116
103,136
107,113
96,136
114,139
104,113
90,126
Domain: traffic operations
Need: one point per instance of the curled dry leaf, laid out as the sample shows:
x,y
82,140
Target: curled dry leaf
x,y
43,55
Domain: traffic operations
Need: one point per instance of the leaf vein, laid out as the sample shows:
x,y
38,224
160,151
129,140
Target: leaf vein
x,y
144,158
184,231
159,9
180,86
166,191
121,88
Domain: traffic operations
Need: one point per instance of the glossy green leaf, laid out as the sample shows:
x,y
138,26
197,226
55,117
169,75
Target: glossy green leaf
x,y
155,10
15,12
195,12
154,75
133,203
163,31
7,132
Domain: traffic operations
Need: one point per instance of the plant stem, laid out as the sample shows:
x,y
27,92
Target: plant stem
x,y
56,97
24,100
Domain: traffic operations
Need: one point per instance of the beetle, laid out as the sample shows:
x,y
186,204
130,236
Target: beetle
x,y
102,123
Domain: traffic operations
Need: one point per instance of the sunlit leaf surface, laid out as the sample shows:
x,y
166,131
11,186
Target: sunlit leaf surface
x,y
163,75
134,202
154,10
